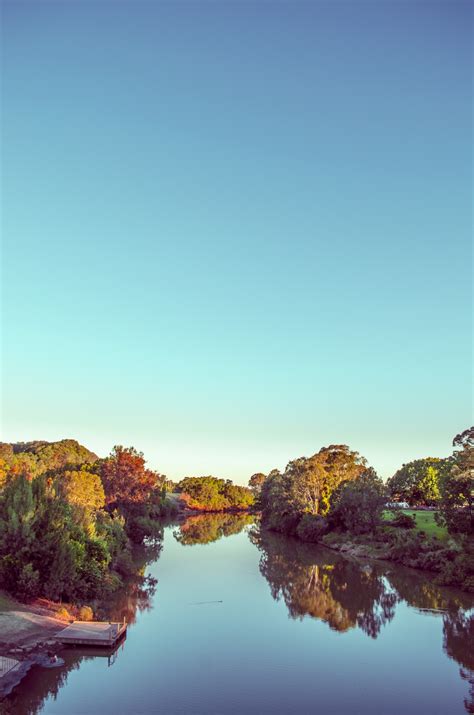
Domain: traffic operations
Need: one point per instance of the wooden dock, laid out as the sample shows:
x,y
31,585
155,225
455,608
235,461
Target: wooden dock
x,y
93,633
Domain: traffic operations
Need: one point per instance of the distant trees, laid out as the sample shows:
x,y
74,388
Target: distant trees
x,y
419,482
31,459
212,494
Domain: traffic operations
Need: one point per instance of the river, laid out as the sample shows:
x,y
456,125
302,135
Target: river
x,y
243,621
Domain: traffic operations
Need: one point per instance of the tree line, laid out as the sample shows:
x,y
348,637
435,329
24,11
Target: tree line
x,y
68,519
336,493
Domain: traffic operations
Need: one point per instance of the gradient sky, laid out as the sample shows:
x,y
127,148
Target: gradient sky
x,y
234,232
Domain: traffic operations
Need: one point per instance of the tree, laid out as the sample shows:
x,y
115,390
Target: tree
x,y
457,500
306,485
256,482
357,505
213,494
82,489
125,478
419,482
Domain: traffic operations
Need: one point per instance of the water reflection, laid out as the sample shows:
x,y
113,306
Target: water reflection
x,y
458,643
319,583
139,589
344,593
206,528
41,684
310,582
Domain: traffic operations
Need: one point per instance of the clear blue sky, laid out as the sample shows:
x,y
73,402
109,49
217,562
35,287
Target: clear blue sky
x,y
236,232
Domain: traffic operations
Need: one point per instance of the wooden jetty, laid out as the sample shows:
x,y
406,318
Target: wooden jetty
x,y
93,633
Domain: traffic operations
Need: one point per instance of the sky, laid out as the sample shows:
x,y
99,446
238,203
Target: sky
x,y
235,232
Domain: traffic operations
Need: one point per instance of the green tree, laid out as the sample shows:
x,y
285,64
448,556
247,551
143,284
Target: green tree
x,y
419,482
357,505
457,500
306,485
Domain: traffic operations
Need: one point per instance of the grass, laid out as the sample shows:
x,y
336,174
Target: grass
x,y
425,521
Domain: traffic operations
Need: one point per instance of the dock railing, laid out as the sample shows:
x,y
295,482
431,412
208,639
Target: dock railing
x,y
6,664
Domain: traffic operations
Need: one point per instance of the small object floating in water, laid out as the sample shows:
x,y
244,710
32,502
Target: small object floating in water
x,y
52,662
202,603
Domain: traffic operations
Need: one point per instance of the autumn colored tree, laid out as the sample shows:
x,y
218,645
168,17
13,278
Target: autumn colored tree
x,y
125,478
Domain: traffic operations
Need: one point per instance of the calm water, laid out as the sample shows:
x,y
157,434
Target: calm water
x,y
256,623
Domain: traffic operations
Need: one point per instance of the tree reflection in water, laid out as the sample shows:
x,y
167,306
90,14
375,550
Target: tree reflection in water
x,y
319,583
344,593
138,591
206,528
458,642
312,582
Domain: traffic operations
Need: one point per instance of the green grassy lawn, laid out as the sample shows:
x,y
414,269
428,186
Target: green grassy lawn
x,y
425,521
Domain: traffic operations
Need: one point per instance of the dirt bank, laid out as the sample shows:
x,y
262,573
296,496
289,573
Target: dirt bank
x,y
26,634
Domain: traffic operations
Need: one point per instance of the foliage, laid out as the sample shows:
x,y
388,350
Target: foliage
x,y
63,614
32,459
419,482
86,613
357,505
306,485
45,548
212,494
312,527
56,538
403,521
256,482
426,521
457,500
457,503
125,478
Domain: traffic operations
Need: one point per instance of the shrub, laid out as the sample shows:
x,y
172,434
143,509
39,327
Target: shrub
x,y
86,613
312,527
63,614
404,521
28,582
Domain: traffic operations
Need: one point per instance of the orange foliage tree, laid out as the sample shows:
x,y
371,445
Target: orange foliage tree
x,y
125,478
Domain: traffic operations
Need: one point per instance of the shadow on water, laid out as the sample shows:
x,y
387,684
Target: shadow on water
x,y
313,582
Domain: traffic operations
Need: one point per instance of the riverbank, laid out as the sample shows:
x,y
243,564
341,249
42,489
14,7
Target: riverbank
x,y
449,563
26,635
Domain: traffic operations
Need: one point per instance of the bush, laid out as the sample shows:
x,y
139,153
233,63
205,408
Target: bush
x,y
28,582
63,614
404,521
86,613
312,527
